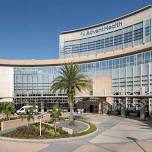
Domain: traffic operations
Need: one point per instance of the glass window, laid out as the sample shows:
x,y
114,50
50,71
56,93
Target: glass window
x,y
109,42
128,36
147,30
138,33
147,56
140,58
24,78
89,67
104,64
124,61
97,65
132,61
110,63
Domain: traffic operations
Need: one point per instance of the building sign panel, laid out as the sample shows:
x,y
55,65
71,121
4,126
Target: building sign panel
x,y
101,29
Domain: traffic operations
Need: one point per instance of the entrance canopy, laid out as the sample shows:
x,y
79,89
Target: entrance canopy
x,y
6,100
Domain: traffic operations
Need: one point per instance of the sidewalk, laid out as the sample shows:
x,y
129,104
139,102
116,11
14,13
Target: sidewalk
x,y
115,134
10,146
120,132
144,146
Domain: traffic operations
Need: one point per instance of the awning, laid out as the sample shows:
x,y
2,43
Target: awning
x,y
6,100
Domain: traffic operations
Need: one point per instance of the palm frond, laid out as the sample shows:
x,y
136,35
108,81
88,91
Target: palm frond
x,y
70,80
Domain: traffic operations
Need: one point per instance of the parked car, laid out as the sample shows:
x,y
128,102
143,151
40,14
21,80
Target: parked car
x,y
24,109
80,111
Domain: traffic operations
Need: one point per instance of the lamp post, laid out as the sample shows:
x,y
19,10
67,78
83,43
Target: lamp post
x,y
40,118
40,127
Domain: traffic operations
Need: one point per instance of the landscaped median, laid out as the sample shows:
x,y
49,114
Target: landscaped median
x,y
16,122
32,131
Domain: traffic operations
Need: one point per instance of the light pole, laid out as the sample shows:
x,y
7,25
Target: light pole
x,y
40,127
40,117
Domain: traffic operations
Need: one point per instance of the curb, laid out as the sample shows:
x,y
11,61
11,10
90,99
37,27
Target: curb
x,y
85,124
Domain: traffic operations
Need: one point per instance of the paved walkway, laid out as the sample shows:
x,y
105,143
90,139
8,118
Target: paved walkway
x,y
78,127
10,146
115,134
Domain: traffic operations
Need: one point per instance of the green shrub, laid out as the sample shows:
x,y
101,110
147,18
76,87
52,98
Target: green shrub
x,y
32,132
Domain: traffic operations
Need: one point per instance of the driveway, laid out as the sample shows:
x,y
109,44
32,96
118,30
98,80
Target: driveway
x,y
115,134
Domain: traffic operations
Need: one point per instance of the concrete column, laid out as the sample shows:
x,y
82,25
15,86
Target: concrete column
x,y
42,107
126,102
150,106
100,107
123,108
142,111
149,88
126,73
141,79
133,79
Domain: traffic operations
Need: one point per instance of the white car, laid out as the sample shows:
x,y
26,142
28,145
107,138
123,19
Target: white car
x,y
24,109
80,111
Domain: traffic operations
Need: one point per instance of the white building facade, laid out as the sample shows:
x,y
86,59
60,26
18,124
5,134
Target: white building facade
x,y
119,50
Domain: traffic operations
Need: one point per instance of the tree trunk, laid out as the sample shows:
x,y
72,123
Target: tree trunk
x,y
28,123
55,126
71,122
7,117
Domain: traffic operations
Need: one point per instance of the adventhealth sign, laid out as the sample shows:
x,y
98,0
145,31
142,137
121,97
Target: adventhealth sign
x,y
101,29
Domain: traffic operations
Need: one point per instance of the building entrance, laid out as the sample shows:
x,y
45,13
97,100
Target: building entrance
x,y
91,108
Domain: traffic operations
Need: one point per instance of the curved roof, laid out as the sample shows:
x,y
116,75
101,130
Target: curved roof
x,y
107,22
81,59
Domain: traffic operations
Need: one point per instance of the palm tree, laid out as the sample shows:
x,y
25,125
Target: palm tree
x,y
69,81
55,115
8,109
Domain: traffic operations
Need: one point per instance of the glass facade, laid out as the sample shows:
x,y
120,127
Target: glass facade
x,y
34,81
123,38
129,72
32,85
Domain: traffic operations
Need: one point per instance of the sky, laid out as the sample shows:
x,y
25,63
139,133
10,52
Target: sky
x,y
29,29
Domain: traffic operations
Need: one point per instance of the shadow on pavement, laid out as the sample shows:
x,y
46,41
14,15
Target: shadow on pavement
x,y
135,141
